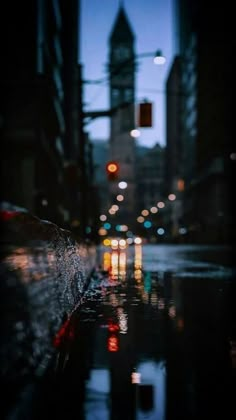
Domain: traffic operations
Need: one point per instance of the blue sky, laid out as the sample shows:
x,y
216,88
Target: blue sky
x,y
152,24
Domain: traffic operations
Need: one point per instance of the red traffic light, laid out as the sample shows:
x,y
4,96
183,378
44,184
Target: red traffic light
x,y
145,114
112,169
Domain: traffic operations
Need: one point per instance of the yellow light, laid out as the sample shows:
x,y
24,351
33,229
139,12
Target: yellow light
x,y
138,274
114,264
106,261
107,242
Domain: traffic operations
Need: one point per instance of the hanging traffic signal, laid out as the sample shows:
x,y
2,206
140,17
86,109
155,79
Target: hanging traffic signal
x,y
145,114
112,169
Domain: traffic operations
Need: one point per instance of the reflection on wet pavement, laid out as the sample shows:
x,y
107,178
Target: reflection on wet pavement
x,y
151,344
43,277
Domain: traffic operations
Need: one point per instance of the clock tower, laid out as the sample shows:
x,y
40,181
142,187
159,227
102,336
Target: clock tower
x,y
122,102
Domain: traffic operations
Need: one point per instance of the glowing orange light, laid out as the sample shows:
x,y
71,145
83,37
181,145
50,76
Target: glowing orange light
x,y
113,343
180,185
112,170
112,167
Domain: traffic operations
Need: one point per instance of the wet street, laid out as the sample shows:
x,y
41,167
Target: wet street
x,y
117,211
153,339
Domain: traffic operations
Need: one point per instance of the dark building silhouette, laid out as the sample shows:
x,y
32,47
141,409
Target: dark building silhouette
x,y
174,167
206,45
174,148
39,106
100,154
150,182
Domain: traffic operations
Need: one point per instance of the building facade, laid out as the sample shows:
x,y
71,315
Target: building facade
x,y
174,154
206,127
150,175
38,103
122,104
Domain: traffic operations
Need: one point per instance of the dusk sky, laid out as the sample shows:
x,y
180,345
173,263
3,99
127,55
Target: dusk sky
x,y
152,24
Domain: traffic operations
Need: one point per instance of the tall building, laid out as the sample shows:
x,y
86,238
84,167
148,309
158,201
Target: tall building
x,y
122,98
174,168
174,148
150,191
38,106
205,33
150,176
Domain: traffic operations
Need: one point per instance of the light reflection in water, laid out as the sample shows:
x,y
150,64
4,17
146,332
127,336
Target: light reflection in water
x,y
114,265
145,297
172,311
154,299
98,391
122,265
138,262
123,320
152,378
106,261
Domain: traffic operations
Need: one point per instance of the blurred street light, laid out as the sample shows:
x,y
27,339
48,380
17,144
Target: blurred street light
x,y
135,133
122,185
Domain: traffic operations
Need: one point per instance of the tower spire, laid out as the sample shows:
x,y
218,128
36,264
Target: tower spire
x,y
121,29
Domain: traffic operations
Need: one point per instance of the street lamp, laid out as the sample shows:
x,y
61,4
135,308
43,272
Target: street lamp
x,y
158,59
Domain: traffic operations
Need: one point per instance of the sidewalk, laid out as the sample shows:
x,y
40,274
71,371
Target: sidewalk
x,y
43,278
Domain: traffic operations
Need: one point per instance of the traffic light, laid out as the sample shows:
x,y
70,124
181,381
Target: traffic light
x,y
145,114
112,169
